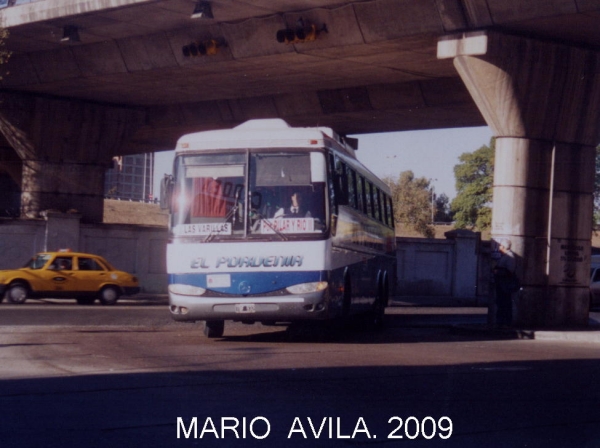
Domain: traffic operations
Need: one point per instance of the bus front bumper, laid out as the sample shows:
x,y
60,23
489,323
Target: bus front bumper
x,y
311,306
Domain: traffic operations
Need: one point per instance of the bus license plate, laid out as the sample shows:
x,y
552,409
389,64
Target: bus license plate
x,y
245,308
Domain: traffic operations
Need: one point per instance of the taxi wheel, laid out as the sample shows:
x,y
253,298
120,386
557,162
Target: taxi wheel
x,y
214,328
17,293
109,295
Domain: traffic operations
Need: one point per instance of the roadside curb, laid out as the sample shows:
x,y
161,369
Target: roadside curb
x,y
591,335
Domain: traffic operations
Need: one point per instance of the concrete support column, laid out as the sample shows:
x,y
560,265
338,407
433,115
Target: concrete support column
x,y
65,148
64,187
543,204
542,101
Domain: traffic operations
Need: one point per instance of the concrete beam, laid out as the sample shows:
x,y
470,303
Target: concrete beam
x,y
131,50
54,9
402,106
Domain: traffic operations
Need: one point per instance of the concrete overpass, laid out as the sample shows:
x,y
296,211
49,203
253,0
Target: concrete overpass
x,y
90,79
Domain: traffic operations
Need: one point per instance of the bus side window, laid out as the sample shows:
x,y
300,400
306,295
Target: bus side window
x,y
381,206
360,193
351,187
382,200
341,182
390,212
375,202
369,199
384,209
332,184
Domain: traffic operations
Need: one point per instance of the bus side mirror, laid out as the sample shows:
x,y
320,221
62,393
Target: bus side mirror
x,y
166,191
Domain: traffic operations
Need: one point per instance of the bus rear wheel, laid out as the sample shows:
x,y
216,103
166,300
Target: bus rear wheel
x,y
376,316
347,299
214,328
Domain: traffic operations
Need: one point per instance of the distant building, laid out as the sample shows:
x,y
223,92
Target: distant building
x,y
131,177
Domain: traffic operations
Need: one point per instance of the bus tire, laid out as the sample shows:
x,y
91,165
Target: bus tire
x,y
214,328
378,312
377,315
347,299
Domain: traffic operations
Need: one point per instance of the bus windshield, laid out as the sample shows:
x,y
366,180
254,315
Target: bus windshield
x,y
245,195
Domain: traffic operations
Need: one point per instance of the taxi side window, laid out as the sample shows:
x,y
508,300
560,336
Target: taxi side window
x,y
89,264
596,277
62,264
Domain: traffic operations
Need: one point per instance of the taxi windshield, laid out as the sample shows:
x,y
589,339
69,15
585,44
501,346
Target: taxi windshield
x,y
38,262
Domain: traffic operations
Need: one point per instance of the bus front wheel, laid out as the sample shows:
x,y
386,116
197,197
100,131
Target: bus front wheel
x,y
214,328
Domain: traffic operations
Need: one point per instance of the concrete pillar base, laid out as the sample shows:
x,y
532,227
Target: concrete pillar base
x,y
552,307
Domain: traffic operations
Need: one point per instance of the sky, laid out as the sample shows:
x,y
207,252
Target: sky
x,y
431,154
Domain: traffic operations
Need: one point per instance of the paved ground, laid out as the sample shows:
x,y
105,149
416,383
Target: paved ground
x,y
73,376
422,311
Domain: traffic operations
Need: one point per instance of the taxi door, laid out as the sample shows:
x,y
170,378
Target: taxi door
x,y
58,277
91,274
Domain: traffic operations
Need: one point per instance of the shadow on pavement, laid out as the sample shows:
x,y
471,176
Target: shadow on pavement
x,y
550,404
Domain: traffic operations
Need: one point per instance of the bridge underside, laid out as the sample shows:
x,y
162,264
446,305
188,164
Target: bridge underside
x,y
375,69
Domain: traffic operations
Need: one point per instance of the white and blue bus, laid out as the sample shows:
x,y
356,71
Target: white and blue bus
x,y
276,224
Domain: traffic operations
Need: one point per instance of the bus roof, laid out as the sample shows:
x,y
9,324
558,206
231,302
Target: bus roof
x,y
265,133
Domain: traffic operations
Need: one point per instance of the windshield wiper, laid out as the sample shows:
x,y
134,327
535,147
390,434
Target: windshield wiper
x,y
230,214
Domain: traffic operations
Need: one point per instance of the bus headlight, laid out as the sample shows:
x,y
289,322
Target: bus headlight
x,y
305,288
186,290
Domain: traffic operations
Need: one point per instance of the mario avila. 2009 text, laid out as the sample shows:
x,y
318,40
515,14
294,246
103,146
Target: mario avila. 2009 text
x,y
306,428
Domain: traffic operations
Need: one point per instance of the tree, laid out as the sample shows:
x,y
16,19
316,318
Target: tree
x,y
474,185
412,202
443,213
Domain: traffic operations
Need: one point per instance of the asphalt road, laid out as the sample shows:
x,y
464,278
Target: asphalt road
x,y
127,375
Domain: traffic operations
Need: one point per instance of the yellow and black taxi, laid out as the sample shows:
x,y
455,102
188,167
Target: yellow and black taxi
x,y
66,274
